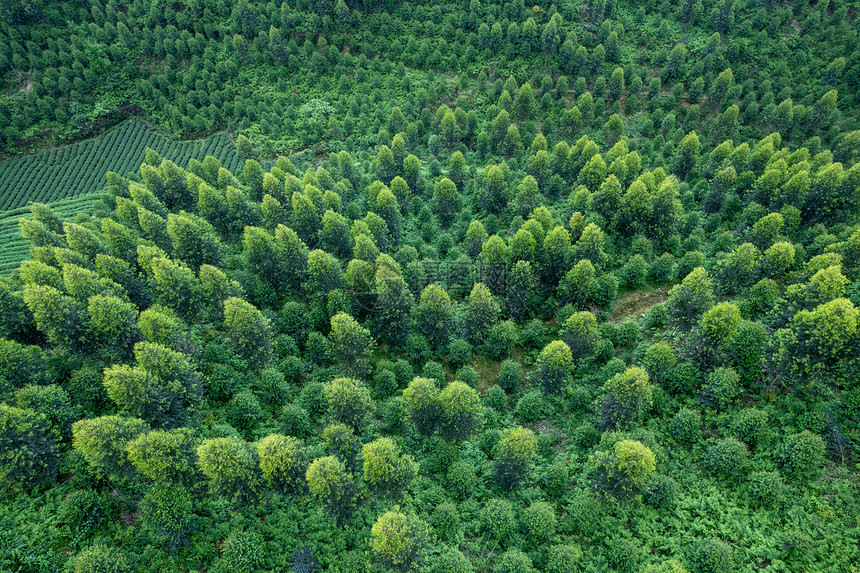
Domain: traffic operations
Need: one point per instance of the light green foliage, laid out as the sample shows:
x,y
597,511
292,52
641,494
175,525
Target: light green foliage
x,y
387,470
671,566
351,343
618,474
103,559
329,482
461,412
397,538
539,522
102,443
164,456
348,401
249,331
627,396
283,463
691,298
719,324
422,401
231,469
434,315
482,311
579,332
242,551
513,454
659,361
514,561
555,364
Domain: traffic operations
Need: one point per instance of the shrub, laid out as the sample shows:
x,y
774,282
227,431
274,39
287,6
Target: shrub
x,y
728,458
469,376
539,521
563,559
659,361
712,556
620,473
461,478
686,426
82,511
103,559
450,560
245,410
273,386
670,566
802,455
510,375
765,488
498,518
445,521
661,491
496,399
750,425
459,352
722,386
557,477
434,371
514,561
242,551
530,407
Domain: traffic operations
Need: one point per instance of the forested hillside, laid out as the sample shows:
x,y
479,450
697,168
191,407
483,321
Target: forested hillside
x,y
481,288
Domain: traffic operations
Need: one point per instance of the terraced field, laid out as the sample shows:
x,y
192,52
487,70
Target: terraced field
x,y
69,178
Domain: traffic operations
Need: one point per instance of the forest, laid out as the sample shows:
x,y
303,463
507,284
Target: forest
x,y
446,287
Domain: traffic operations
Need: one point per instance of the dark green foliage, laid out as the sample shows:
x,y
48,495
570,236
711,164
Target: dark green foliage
x,y
801,456
711,556
728,458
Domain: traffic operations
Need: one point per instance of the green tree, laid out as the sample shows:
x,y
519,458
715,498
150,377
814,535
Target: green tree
x,y
102,559
461,412
329,481
513,454
446,201
554,365
482,311
249,331
691,298
283,463
102,443
348,401
422,402
351,344
28,450
397,539
627,396
434,315
167,512
619,473
802,455
387,470
164,456
579,332
231,468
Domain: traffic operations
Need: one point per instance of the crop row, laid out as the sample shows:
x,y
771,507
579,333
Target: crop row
x,y
80,168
